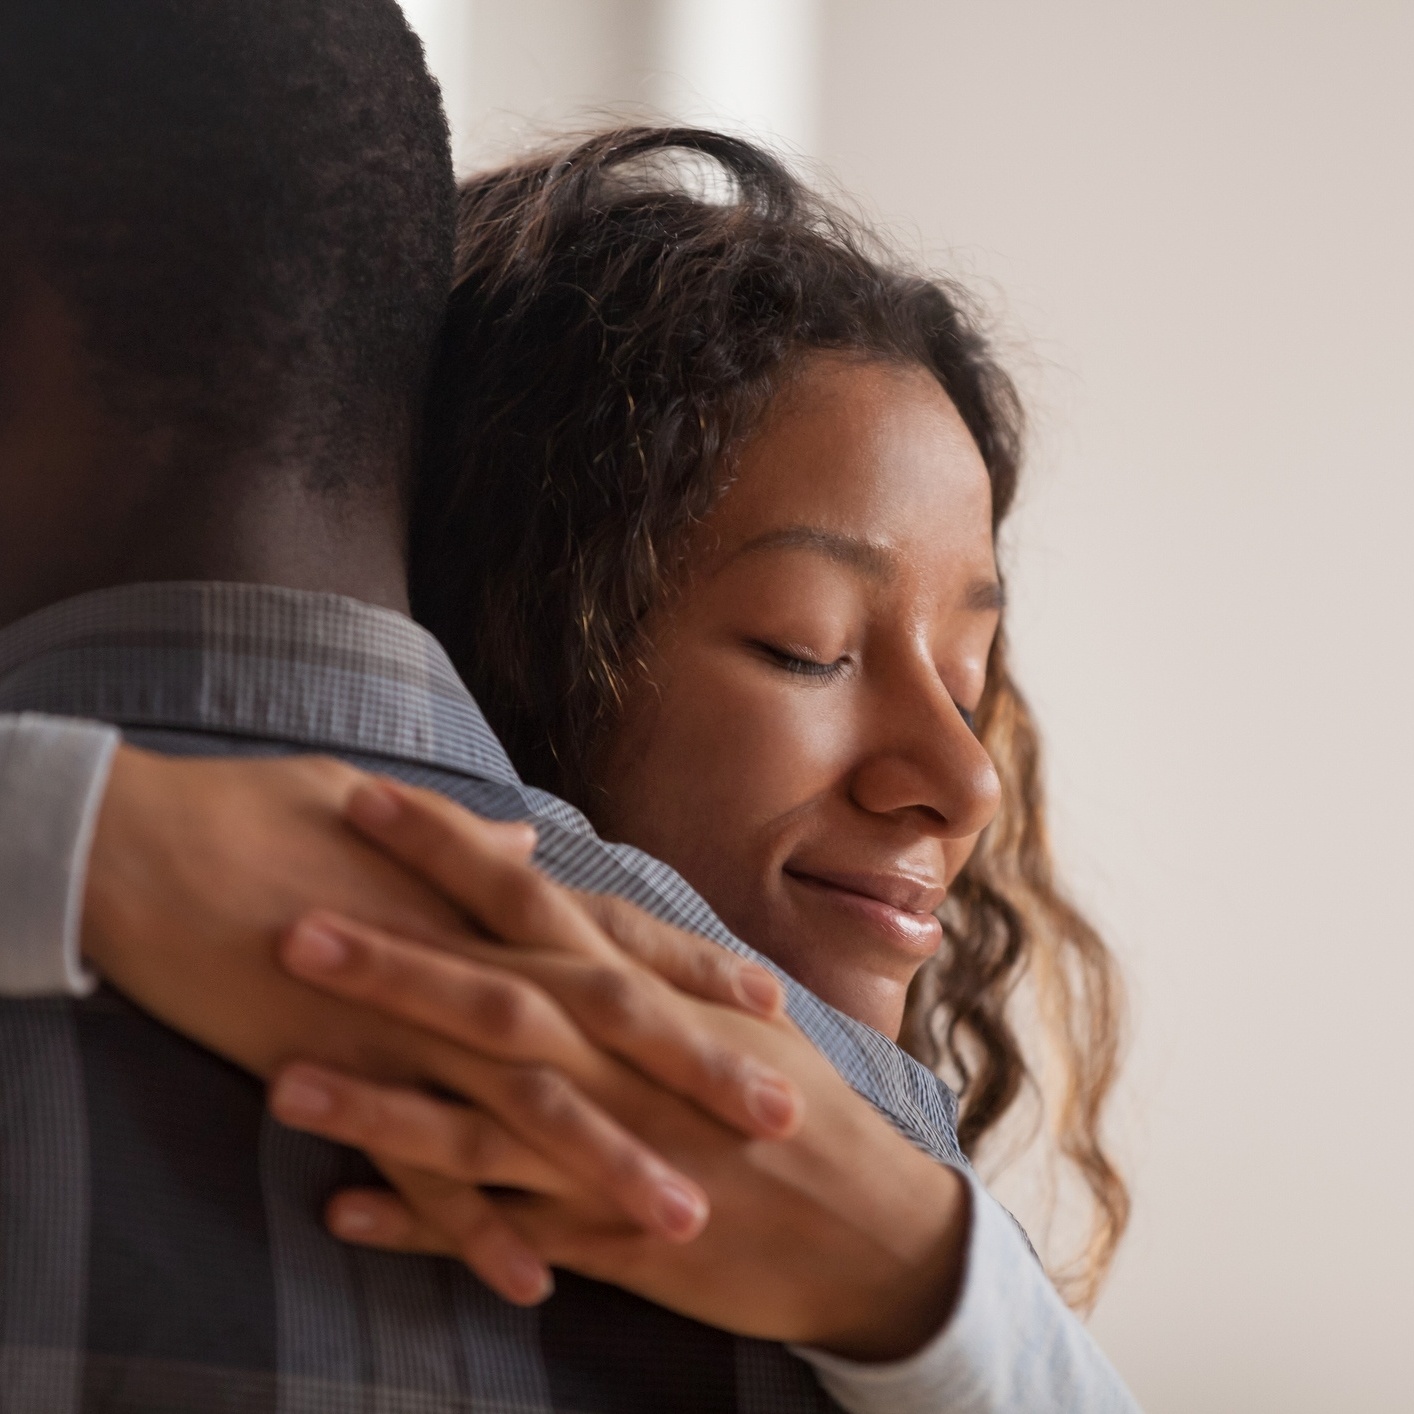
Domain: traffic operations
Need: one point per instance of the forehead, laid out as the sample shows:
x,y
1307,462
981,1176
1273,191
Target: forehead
x,y
868,449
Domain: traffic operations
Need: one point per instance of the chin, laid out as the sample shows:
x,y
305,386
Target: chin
x,y
851,983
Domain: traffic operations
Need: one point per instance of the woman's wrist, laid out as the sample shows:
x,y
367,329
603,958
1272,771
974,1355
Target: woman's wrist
x,y
897,1313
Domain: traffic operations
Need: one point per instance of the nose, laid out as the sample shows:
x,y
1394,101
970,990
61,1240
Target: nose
x,y
921,758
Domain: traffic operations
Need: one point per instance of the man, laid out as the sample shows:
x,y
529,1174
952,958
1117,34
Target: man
x,y
227,228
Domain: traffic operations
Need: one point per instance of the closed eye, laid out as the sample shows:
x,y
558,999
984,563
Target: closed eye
x,y
799,664
805,667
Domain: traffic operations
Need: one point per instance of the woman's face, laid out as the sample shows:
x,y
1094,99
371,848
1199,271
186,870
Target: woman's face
x,y
796,746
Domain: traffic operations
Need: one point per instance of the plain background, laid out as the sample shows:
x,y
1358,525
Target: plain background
x,y
1194,224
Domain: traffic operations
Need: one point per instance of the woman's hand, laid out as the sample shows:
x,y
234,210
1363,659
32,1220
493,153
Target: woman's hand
x,y
200,868
842,1235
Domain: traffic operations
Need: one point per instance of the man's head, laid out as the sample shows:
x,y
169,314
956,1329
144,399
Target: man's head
x,y
226,229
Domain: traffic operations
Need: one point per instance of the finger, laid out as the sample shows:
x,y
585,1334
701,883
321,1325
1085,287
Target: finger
x,y
374,1217
374,804
428,1214
628,1010
635,1014
688,961
488,1008
452,848
470,1228
457,1142
536,1103
448,846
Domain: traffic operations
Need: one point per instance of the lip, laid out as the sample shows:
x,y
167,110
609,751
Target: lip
x,y
900,906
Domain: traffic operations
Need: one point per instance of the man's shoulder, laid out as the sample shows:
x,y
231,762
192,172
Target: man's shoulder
x,y
914,1100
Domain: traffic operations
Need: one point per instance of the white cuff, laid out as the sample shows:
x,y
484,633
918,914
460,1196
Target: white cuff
x,y
53,772
1011,1343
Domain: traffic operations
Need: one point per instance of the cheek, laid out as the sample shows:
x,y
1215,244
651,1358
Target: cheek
x,y
720,763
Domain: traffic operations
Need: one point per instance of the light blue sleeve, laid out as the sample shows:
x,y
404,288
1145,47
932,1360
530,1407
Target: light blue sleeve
x,y
1011,1345
53,771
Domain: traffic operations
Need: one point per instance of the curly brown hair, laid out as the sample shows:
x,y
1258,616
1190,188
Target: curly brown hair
x,y
618,325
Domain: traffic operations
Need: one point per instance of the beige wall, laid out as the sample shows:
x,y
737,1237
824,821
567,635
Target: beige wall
x,y
1195,221
1201,219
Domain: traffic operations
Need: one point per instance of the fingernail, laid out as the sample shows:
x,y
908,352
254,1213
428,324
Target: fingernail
x,y
515,837
529,1279
373,806
758,989
353,1220
299,1098
313,947
772,1102
680,1210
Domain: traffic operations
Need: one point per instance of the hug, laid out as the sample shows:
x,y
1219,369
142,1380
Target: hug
x,y
513,806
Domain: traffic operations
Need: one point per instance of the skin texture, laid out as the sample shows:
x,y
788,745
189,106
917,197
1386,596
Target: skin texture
x,y
793,745
86,503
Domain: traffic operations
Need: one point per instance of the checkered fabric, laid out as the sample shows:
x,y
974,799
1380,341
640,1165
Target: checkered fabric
x,y
160,1241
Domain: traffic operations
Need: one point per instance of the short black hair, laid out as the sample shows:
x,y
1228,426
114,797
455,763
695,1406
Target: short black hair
x,y
250,207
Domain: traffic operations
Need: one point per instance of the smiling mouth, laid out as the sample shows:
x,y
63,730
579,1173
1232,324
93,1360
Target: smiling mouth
x,y
898,908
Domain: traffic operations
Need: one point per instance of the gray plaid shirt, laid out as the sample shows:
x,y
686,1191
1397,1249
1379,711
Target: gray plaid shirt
x,y
160,1241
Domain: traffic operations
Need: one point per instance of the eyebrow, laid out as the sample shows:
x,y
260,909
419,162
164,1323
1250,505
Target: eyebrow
x,y
863,555
872,560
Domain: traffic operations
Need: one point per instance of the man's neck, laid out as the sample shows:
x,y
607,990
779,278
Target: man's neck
x,y
85,505
284,534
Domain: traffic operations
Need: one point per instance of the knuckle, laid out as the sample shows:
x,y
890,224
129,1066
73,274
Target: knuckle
x,y
702,974
349,1113
627,1163
720,1069
716,965
500,1010
542,1093
616,999
612,913
597,906
373,966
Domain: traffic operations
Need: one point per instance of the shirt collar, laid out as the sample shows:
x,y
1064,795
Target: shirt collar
x,y
315,670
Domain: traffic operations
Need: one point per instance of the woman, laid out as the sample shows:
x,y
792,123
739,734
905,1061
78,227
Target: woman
x,y
707,523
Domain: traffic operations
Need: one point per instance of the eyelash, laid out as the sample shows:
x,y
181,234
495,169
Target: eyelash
x,y
803,667
810,668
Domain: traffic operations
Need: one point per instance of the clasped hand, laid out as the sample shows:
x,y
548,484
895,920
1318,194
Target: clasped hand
x,y
545,1079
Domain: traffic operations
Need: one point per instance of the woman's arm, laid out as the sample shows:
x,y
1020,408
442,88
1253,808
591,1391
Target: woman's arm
x,y
184,872
1010,1344
53,771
